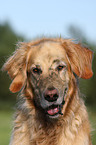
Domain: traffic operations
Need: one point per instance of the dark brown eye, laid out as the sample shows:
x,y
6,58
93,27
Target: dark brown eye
x,y
37,71
60,67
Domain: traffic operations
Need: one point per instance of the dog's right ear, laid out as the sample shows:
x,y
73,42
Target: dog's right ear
x,y
16,68
17,83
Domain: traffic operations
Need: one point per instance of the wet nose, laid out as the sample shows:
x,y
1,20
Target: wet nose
x,y
51,94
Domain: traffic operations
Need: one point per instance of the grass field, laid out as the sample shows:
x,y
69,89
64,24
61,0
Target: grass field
x,y
6,124
92,117
5,127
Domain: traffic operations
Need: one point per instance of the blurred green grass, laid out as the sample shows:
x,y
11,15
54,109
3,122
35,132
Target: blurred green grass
x,y
92,118
6,125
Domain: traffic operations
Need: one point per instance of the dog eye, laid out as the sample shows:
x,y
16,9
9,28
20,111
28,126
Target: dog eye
x,y
37,71
60,67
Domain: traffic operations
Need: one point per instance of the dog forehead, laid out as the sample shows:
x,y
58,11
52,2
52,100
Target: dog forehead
x,y
49,51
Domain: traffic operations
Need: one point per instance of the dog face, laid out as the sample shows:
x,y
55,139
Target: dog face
x,y
45,70
49,77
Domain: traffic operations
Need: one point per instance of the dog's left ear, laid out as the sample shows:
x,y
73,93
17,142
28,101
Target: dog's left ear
x,y
80,59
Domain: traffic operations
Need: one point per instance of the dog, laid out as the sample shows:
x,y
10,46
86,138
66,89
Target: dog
x,y
50,110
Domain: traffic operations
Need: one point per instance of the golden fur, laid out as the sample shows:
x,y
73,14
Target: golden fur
x,y
32,127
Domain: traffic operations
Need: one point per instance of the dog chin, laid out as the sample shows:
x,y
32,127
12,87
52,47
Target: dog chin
x,y
56,116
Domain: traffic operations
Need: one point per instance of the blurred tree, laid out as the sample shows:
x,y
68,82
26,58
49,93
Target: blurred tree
x,y
8,39
87,87
76,33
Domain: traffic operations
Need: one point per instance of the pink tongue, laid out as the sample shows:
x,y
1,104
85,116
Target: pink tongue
x,y
53,111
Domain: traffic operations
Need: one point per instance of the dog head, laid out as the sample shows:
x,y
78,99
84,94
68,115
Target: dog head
x,y
45,70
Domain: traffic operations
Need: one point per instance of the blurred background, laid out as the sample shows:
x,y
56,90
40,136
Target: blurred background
x,y
25,20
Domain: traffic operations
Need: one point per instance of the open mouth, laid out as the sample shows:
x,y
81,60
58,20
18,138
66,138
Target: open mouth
x,y
53,110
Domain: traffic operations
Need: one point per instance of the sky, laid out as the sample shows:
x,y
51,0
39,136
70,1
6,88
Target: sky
x,y
36,18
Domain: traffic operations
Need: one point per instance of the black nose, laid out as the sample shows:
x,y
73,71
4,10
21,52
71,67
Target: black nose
x,y
51,94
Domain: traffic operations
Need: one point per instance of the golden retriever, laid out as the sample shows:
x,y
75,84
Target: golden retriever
x,y
50,110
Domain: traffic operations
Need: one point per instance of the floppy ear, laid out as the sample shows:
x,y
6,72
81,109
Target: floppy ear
x,y
80,59
16,68
17,83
